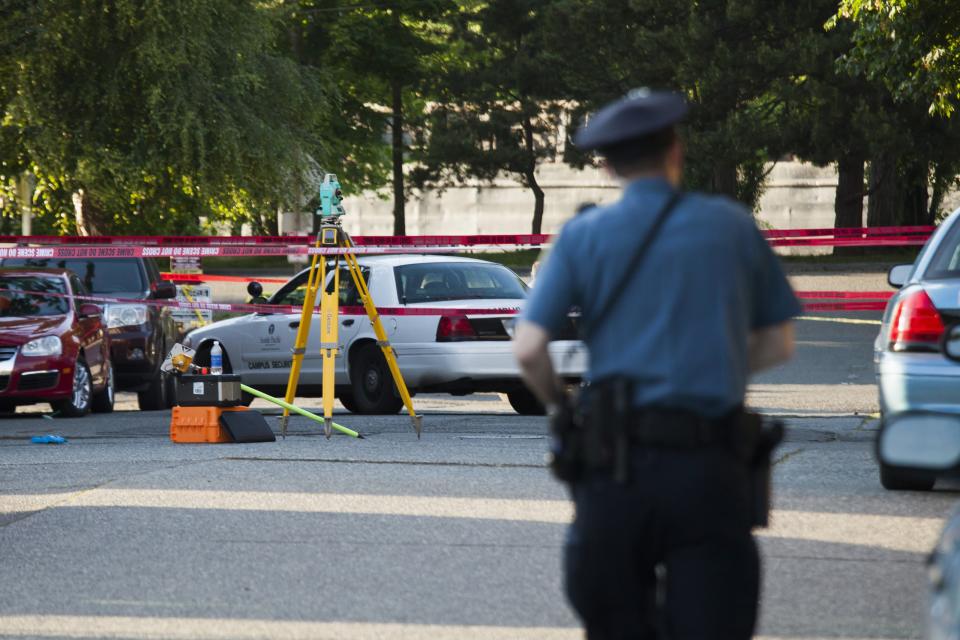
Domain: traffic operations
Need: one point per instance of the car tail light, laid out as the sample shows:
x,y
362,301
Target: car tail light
x,y
916,324
455,328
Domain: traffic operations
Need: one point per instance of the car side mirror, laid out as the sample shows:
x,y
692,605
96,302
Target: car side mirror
x,y
164,291
90,310
255,289
897,276
920,441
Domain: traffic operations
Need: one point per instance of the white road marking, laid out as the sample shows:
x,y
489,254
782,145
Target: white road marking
x,y
841,320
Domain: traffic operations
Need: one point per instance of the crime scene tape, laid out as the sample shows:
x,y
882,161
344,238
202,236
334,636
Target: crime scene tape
x,y
879,241
851,300
266,308
841,232
856,295
845,306
850,236
191,278
106,251
868,305
301,240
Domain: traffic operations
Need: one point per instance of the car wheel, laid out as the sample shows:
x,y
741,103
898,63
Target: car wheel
x,y
902,480
525,403
103,401
154,397
78,404
7,408
372,384
346,399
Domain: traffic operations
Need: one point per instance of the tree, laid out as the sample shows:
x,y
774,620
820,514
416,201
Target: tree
x,y
911,49
728,57
380,56
830,116
495,108
144,114
912,46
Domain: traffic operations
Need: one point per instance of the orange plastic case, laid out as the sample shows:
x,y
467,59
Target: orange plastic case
x,y
200,424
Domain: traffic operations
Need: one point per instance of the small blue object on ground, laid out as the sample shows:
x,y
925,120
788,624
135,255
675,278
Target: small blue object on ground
x,y
48,439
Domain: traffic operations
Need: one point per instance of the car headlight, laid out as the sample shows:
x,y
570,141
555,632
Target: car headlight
x,y
126,315
48,346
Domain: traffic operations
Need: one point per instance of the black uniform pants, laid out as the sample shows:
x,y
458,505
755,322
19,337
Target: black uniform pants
x,y
685,515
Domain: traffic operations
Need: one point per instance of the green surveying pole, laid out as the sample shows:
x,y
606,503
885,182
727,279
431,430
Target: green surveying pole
x,y
296,409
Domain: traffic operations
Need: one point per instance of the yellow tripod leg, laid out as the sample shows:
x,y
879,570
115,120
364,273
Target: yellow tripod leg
x,y
329,323
314,279
382,340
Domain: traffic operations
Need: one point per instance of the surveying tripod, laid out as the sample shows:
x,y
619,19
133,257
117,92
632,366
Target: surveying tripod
x,y
332,235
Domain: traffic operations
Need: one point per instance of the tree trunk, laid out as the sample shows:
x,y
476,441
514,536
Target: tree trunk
x,y
86,214
848,198
530,177
26,184
942,180
538,199
724,179
399,197
915,195
883,201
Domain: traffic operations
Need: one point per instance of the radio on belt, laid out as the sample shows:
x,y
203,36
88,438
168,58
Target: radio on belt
x,y
208,391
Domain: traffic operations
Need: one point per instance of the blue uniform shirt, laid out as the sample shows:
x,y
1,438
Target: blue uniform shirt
x,y
680,326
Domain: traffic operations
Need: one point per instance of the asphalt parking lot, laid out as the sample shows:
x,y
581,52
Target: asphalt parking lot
x,y
121,533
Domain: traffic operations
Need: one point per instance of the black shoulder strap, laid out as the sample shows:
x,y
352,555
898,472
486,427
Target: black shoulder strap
x,y
631,269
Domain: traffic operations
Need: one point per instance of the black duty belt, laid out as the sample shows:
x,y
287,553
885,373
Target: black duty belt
x,y
676,428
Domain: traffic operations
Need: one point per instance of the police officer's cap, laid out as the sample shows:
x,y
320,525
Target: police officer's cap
x,y
640,113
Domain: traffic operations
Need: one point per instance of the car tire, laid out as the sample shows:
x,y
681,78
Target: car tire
x,y
7,408
104,400
525,403
346,399
154,397
81,396
901,480
372,385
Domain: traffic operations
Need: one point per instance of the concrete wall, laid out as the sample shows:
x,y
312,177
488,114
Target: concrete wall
x,y
797,195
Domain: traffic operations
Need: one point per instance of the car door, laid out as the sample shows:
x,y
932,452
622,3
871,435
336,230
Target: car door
x,y
352,318
269,339
268,350
93,339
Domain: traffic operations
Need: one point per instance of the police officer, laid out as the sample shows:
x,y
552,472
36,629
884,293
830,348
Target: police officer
x,y
661,542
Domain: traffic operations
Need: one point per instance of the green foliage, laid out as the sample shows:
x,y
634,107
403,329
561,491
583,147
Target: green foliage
x,y
495,107
729,57
157,111
380,57
911,46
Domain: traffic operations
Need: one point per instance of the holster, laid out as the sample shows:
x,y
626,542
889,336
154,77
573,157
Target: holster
x,y
599,434
565,458
755,441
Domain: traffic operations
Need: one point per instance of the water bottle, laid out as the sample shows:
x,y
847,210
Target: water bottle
x,y
216,359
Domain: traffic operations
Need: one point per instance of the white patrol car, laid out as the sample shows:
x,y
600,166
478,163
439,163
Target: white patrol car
x,y
453,352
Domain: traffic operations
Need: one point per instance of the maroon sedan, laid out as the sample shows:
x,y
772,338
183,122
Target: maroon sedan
x,y
53,348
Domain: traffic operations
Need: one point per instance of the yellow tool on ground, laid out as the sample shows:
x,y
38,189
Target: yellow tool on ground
x,y
332,235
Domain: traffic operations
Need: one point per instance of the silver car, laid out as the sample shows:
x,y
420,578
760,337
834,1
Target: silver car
x,y
451,351
912,373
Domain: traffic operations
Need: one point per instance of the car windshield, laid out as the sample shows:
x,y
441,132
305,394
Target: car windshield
x,y
99,276
22,296
432,281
